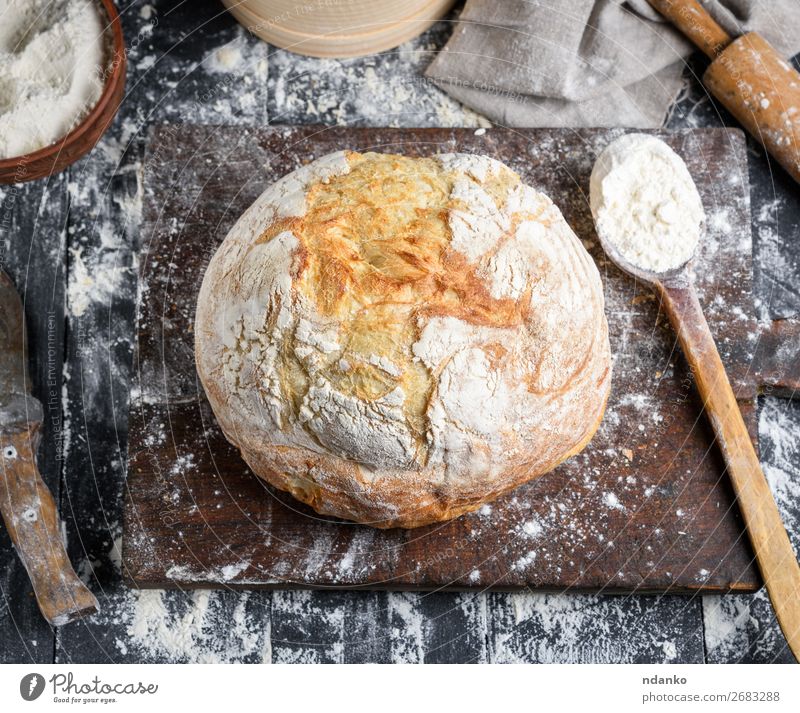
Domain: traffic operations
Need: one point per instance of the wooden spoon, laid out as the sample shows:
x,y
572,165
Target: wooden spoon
x,y
774,554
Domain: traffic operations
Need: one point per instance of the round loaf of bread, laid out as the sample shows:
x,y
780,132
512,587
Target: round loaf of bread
x,y
398,340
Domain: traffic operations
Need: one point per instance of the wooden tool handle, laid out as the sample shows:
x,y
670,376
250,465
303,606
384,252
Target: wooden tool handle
x,y
693,20
30,515
776,559
748,77
762,91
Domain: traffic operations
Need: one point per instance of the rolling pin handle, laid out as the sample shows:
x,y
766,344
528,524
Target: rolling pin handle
x,y
693,20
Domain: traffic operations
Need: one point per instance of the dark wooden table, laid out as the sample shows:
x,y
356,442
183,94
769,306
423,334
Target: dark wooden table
x,y
71,244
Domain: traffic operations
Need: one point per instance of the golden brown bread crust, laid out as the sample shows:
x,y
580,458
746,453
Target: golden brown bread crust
x,y
337,497
397,341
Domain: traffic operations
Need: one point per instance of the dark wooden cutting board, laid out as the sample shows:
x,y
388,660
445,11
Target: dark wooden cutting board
x,y
646,506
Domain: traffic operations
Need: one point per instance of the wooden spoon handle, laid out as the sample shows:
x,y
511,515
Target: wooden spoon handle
x,y
776,559
32,521
693,20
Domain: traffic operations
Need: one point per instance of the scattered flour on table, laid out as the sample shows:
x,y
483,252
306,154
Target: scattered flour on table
x,y
725,620
52,58
188,573
384,90
407,622
583,628
191,630
183,464
63,434
199,627
776,266
79,285
612,501
97,275
739,628
780,443
719,222
670,650
532,528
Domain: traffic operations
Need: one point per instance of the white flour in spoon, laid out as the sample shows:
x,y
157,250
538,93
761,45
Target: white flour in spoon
x,y
645,203
52,57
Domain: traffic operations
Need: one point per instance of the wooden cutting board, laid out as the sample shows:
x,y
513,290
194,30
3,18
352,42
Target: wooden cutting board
x,y
646,506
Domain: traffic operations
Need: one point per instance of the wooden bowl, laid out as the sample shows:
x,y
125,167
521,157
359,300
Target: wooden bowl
x,y
337,28
56,157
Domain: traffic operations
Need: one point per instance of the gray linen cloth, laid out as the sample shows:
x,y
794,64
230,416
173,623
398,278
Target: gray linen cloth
x,y
585,62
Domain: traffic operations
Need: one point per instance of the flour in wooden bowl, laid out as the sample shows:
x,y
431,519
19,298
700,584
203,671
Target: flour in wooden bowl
x,y
52,59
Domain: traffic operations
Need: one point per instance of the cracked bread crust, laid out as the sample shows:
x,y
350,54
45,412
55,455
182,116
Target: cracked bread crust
x,y
397,341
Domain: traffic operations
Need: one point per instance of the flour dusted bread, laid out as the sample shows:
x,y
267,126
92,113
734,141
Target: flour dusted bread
x,y
398,340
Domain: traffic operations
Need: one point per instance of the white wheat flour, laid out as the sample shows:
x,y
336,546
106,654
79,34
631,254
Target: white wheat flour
x,y
52,58
645,203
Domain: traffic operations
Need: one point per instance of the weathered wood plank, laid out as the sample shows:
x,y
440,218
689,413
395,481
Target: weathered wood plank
x,y
777,358
643,507
101,291
572,628
378,627
193,61
32,248
454,626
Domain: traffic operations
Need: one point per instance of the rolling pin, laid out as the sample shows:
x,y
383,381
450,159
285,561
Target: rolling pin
x,y
748,76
